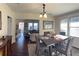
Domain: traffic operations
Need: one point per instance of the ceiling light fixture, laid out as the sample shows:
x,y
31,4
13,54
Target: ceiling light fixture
x,y
43,14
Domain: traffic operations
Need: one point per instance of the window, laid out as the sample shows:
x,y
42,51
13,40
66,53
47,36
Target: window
x,y
74,26
70,26
30,26
33,27
63,26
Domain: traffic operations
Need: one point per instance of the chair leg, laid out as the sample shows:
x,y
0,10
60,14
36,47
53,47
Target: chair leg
x,y
71,52
56,53
36,51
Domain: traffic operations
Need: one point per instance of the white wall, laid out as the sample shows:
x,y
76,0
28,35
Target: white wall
x,y
21,16
57,25
6,11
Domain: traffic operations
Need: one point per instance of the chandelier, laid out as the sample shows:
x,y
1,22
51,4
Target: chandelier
x,y
43,14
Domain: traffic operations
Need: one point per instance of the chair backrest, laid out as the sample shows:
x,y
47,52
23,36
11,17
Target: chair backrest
x,y
67,43
37,44
46,33
64,45
33,37
62,33
37,41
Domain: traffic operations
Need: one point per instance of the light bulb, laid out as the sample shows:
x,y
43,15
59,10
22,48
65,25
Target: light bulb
x,y
40,16
45,16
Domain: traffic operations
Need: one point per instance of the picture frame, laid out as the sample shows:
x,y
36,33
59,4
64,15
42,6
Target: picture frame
x,y
47,25
0,20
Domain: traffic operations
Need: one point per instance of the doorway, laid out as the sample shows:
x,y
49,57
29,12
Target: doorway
x,y
9,28
20,30
21,26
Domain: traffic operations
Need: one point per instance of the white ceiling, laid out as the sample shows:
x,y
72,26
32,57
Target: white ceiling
x,y
51,8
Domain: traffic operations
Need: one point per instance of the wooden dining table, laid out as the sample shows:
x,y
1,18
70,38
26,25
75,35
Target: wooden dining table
x,y
53,40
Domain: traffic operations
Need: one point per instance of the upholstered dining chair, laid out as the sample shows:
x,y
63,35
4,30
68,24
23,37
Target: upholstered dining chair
x,y
41,49
62,48
62,33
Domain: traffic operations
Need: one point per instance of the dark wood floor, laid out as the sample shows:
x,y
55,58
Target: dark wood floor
x,y
20,47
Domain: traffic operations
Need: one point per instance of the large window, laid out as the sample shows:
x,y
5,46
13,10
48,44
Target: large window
x,y
74,26
70,26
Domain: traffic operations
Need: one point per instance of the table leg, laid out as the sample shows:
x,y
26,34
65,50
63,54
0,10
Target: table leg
x,y
50,51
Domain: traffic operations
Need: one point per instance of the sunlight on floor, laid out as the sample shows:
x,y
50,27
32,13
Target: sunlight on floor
x,y
20,40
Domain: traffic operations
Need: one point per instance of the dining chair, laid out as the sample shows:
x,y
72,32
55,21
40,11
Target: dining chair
x,y
62,48
41,49
62,33
32,37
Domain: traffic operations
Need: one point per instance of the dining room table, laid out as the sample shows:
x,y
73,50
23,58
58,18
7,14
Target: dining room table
x,y
51,41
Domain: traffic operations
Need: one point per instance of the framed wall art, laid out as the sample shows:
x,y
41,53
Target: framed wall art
x,y
0,21
47,25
